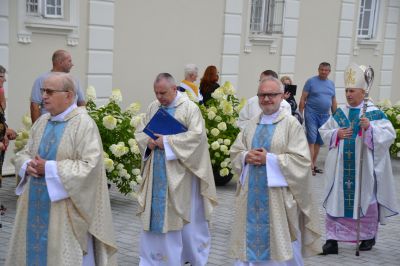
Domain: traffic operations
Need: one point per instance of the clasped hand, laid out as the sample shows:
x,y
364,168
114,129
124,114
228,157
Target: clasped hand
x,y
152,144
36,167
345,133
256,156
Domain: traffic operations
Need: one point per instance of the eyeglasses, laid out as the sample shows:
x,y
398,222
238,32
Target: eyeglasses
x,y
269,95
50,91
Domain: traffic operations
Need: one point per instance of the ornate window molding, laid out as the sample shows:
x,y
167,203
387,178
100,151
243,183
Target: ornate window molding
x,y
58,17
265,24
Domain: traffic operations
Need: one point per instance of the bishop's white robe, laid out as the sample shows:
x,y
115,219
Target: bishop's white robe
x,y
377,178
82,214
291,210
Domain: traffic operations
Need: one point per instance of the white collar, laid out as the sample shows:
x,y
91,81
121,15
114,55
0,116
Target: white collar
x,y
61,117
269,119
178,95
356,107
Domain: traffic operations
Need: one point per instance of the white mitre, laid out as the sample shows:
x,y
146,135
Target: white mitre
x,y
354,76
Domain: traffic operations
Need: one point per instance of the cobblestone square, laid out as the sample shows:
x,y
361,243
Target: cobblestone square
x,y
127,228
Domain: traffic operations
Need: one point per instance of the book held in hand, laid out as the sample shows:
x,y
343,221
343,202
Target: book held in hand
x,y
164,124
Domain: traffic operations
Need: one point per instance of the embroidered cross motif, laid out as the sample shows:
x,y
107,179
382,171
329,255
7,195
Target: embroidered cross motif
x,y
349,183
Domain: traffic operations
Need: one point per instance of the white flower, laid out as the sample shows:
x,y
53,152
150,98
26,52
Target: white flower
x,y
398,144
227,142
120,166
135,149
223,148
218,118
139,179
119,149
397,104
211,115
228,88
108,164
116,95
389,112
135,121
224,172
224,164
136,171
132,142
226,107
213,109
91,93
217,154
398,117
27,122
133,108
217,94
123,173
215,145
214,132
222,126
109,122
220,141
105,155
213,161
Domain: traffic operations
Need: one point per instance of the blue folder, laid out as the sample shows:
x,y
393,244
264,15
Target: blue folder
x,y
164,124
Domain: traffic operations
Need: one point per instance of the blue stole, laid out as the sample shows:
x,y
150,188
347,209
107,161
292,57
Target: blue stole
x,y
349,149
39,201
159,188
257,229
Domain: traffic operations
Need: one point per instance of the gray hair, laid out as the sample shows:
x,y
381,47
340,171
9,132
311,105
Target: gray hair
x,y
191,69
67,81
165,76
2,69
277,81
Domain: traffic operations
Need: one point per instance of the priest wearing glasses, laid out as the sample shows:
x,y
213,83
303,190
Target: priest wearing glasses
x,y
63,212
275,217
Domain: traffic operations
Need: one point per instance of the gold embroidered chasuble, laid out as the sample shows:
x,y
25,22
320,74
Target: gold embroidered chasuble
x,y
193,159
86,210
291,208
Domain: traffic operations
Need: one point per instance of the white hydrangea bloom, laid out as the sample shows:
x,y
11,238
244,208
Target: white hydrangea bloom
x,y
116,95
108,164
91,93
214,132
222,126
109,122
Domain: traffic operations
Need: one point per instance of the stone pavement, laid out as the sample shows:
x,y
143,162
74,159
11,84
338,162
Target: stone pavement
x,y
127,228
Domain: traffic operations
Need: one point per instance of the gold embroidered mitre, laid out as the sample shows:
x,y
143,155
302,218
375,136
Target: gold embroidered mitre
x,y
354,76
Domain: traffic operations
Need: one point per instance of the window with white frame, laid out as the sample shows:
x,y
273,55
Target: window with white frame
x,y
45,8
367,22
266,16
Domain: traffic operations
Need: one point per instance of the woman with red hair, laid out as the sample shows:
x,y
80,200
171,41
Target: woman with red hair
x,y
209,83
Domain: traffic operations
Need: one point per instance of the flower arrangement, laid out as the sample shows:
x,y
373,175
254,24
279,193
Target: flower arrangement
x,y
23,134
220,114
122,157
393,114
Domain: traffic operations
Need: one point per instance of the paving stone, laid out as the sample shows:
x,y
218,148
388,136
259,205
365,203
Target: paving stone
x,y
127,228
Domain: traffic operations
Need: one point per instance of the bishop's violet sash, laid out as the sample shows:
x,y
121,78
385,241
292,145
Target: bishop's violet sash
x,y
349,150
159,189
39,201
257,230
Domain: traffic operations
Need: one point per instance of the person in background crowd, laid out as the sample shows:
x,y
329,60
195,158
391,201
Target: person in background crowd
x,y
252,107
209,83
177,194
188,84
343,132
6,133
317,99
62,62
286,80
275,219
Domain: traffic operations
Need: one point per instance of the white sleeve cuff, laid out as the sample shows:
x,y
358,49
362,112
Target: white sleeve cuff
x,y
169,153
54,185
24,179
275,177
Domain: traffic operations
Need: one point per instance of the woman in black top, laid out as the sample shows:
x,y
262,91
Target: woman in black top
x,y
208,83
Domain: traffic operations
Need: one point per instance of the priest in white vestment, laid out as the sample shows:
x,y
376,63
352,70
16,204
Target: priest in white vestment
x,y
344,133
177,195
252,109
63,212
276,220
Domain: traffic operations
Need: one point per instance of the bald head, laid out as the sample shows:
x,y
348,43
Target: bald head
x,y
58,92
62,61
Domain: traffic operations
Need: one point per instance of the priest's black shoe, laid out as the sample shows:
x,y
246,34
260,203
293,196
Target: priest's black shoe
x,y
330,247
367,244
